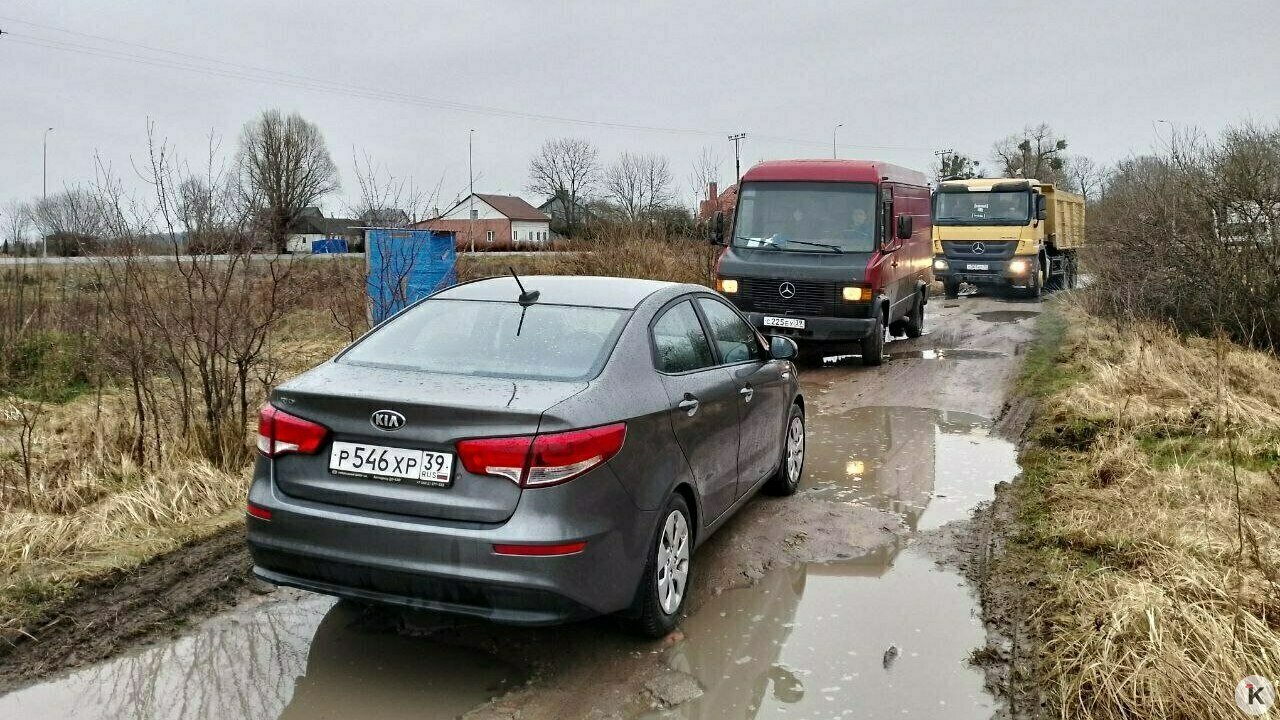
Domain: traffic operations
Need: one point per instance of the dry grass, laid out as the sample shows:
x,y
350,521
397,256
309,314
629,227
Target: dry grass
x,y
1152,501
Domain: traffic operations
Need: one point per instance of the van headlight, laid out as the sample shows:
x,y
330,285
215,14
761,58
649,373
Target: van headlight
x,y
728,286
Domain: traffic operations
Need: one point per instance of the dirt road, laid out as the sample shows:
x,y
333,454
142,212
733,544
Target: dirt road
x,y
834,603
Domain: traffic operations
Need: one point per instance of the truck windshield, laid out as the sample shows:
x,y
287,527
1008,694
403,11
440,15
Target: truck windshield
x,y
982,208
806,217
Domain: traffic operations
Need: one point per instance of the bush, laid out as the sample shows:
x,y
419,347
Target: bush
x,y
1191,237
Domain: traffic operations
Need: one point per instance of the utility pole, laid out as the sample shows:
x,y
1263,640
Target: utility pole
x,y
833,140
943,156
44,182
737,159
471,199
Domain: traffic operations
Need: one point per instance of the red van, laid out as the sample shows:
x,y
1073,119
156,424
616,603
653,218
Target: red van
x,y
831,253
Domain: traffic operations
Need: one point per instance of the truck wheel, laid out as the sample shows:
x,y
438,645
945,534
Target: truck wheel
x,y
873,344
1071,271
1037,285
951,288
913,325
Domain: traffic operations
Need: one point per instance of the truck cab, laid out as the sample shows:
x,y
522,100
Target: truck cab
x,y
1006,233
831,253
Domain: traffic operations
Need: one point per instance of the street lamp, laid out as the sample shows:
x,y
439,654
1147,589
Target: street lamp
x,y
44,181
833,140
471,199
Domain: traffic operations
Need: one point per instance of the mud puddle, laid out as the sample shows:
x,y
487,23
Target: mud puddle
x,y
1005,316
882,635
946,354
296,656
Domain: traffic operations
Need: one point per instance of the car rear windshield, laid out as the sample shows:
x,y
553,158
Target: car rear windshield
x,y
494,339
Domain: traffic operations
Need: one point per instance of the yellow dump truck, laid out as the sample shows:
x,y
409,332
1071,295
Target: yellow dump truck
x,y
1006,233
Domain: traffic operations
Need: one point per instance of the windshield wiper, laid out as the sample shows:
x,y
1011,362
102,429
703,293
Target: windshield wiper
x,y
836,248
765,242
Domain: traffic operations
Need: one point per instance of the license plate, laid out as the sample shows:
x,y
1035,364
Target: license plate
x,y
794,323
423,467
977,266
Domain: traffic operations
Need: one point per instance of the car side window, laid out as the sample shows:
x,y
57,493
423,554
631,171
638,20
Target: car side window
x,y
680,342
735,338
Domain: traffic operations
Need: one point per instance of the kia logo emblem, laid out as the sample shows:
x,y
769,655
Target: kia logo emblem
x,y
787,290
979,248
387,420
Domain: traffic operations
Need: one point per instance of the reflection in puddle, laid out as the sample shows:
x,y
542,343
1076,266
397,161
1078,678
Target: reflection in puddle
x,y
946,354
1005,316
289,659
811,641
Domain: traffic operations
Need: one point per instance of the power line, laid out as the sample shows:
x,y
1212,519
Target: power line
x,y
215,67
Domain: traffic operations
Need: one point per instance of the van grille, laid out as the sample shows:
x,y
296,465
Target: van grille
x,y
763,295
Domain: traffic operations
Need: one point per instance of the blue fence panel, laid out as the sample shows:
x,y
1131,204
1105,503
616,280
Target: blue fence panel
x,y
328,246
405,266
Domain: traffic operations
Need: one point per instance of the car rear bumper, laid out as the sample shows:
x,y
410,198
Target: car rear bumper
x,y
819,329
997,272
451,566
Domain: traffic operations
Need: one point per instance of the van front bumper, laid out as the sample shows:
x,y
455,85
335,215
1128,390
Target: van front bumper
x,y
818,329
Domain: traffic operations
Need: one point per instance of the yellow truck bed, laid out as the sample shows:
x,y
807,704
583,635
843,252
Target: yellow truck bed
x,y
1064,218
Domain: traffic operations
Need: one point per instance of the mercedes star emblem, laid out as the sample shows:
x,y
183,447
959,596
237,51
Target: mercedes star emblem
x,y
978,248
787,290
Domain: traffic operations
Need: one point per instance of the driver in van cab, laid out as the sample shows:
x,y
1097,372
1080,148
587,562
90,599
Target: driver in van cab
x,y
861,228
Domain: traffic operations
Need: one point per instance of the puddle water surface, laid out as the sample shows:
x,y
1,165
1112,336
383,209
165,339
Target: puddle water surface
x,y
1005,316
303,659
884,635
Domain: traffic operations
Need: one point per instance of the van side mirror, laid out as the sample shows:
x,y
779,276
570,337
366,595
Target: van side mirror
x,y
1041,209
782,348
716,236
905,226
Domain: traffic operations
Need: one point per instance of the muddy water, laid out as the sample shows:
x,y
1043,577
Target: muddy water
x,y
291,658
884,635
1006,316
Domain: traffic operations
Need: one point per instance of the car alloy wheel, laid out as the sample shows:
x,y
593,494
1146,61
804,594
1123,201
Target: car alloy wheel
x,y
795,449
673,561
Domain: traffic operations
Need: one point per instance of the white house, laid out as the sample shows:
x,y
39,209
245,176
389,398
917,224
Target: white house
x,y
498,221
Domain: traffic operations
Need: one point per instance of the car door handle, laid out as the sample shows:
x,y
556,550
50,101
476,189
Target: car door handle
x,y
747,392
689,404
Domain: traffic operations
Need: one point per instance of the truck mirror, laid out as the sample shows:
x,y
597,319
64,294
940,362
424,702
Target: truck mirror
x,y
904,227
1040,207
716,236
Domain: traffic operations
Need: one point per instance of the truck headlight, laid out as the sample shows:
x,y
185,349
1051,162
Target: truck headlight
x,y
727,286
1018,267
939,264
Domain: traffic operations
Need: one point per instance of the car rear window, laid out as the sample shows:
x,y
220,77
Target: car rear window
x,y
494,339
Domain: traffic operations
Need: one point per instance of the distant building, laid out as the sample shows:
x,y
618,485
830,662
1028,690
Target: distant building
x,y
311,225
724,202
499,221
557,208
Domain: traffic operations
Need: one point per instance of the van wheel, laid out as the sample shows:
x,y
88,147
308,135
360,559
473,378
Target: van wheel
x,y
787,479
913,325
873,344
665,584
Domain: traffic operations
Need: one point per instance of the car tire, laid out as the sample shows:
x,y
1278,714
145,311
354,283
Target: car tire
x,y
787,479
657,609
913,325
951,289
873,344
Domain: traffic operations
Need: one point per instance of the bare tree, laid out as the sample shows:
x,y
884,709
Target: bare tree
x,y
638,185
70,221
16,216
566,169
286,167
1036,152
1084,176
705,170
385,200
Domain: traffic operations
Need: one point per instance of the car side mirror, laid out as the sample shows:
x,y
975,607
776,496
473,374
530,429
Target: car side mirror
x,y
782,348
716,235
1041,209
905,226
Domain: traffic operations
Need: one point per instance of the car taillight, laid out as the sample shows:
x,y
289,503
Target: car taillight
x,y
280,433
543,460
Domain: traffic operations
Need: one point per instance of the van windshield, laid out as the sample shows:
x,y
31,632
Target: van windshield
x,y
494,339
806,217
982,208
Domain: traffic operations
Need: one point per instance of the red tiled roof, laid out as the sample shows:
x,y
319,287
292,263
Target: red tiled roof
x,y
513,207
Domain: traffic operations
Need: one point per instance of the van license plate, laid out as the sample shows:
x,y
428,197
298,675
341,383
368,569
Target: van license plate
x,y
423,467
794,323
977,266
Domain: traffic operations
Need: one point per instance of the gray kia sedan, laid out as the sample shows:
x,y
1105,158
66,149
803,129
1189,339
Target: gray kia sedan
x,y
528,450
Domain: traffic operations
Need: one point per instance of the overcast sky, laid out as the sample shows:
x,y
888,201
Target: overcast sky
x,y
904,78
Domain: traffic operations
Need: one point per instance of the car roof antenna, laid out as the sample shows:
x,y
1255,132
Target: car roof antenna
x,y
527,297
